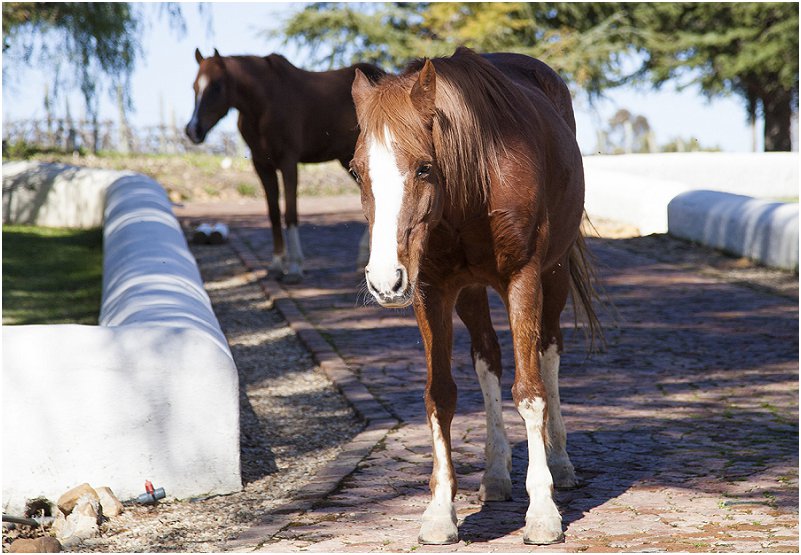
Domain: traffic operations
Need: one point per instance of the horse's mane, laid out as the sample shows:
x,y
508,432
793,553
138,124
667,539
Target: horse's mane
x,y
477,107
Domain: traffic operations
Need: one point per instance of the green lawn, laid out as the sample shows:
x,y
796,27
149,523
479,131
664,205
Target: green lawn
x,y
51,276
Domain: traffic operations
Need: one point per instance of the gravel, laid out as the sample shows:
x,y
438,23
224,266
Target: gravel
x,y
292,422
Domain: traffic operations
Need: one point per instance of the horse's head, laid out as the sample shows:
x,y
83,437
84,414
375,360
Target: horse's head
x,y
211,96
397,170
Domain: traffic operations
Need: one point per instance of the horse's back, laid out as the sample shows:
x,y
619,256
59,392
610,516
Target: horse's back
x,y
529,72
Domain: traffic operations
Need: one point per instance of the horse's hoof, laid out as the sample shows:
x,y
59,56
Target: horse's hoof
x,y
440,531
292,278
495,489
559,539
544,529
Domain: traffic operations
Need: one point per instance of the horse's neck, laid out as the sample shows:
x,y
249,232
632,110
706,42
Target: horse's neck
x,y
253,94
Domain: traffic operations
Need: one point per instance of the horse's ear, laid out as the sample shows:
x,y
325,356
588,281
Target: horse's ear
x,y
216,54
424,91
361,87
198,55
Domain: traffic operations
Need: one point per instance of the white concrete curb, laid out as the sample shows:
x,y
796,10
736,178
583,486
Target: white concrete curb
x,y
757,229
637,188
689,195
151,393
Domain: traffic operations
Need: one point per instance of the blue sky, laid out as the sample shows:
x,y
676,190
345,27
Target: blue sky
x,y
162,82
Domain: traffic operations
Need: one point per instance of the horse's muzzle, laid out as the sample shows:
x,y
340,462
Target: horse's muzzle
x,y
195,134
395,293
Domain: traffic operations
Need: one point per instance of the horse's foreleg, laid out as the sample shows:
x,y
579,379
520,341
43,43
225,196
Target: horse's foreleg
x,y
543,521
294,262
433,311
269,181
473,309
556,286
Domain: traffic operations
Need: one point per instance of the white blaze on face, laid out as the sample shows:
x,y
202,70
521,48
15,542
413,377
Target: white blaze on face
x,y
202,83
387,185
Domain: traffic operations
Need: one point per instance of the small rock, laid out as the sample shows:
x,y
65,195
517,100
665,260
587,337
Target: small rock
x,y
82,522
110,502
45,544
68,500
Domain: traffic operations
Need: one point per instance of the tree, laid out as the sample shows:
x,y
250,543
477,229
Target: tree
x,y
95,43
747,49
586,43
627,133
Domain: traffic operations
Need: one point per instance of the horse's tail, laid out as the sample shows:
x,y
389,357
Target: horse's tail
x,y
584,292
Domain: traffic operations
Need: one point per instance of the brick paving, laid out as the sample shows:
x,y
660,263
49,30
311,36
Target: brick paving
x,y
684,432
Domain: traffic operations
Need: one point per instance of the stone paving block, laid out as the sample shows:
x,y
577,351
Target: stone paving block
x,y
684,431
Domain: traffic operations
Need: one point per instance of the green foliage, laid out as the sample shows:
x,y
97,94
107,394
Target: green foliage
x,y
51,276
586,43
85,45
247,190
748,49
84,39
22,150
727,44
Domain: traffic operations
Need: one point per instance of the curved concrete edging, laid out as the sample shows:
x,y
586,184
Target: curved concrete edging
x,y
764,231
704,197
379,420
150,393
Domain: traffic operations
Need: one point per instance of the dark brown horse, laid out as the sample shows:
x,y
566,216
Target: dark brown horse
x,y
471,177
286,115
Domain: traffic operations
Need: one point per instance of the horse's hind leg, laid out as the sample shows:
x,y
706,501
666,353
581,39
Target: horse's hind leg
x,y
433,311
524,301
473,308
555,285
269,181
294,259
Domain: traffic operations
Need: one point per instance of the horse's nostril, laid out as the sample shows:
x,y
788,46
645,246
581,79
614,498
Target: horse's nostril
x,y
400,282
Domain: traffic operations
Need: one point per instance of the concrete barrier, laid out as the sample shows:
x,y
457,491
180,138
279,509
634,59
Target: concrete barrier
x,y
755,174
764,231
151,393
636,189
55,195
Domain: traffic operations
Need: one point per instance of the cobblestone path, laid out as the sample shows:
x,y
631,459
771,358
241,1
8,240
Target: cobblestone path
x,y
684,432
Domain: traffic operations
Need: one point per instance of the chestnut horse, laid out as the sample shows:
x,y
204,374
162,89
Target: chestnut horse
x,y
471,177
286,115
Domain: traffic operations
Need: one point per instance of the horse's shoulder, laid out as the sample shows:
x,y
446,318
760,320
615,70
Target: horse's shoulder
x,y
278,62
535,74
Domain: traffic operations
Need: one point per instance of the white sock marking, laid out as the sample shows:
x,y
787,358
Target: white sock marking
x,y
539,483
498,453
293,246
441,501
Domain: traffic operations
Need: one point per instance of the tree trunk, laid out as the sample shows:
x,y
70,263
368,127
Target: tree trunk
x,y
777,120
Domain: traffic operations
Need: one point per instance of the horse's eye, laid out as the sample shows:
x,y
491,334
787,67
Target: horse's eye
x,y
356,176
424,170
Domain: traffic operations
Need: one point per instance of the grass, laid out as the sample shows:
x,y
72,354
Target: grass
x,y
51,276
203,177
